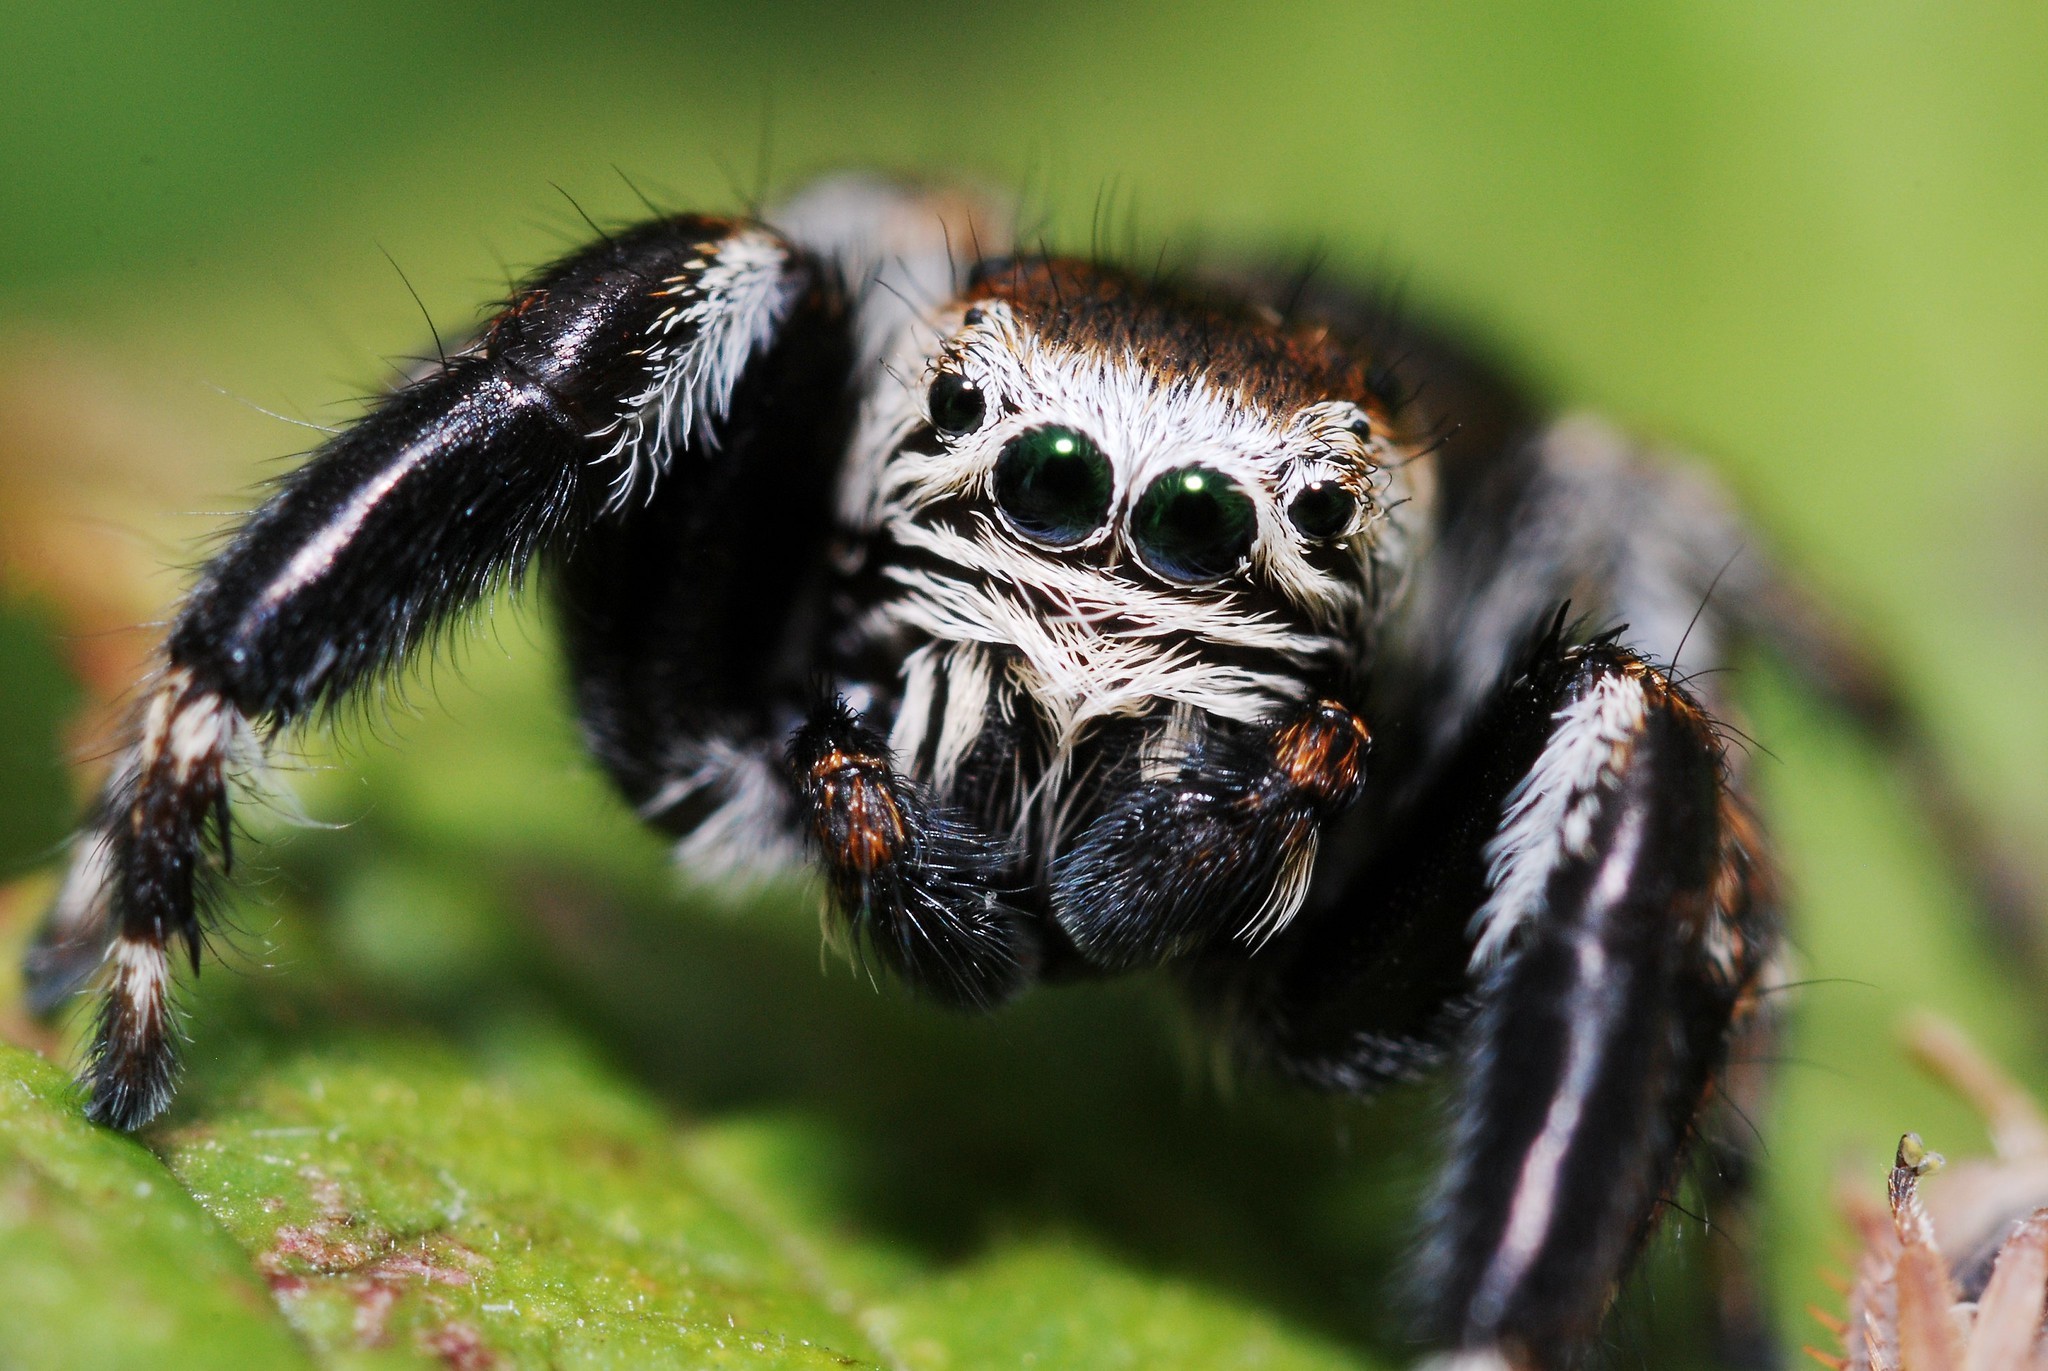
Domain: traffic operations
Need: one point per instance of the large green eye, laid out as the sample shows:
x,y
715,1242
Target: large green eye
x,y
1194,525
1054,485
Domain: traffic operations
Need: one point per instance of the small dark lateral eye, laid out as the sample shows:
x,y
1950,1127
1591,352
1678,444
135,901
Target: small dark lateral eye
x,y
1361,426
1054,485
973,316
1322,510
1194,525
958,406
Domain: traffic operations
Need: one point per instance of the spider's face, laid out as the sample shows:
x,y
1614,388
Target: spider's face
x,y
1147,502
1176,480
1189,460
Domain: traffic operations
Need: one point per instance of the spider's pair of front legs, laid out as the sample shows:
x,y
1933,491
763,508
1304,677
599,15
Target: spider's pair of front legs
x,y
1571,903
1562,897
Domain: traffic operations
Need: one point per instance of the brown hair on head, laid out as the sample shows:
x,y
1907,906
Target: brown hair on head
x,y
1179,335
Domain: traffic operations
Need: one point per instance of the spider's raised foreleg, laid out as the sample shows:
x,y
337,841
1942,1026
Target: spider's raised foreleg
x,y
1574,906
691,631
612,372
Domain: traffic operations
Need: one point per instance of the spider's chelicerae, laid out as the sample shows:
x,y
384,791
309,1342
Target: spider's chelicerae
x,y
1072,622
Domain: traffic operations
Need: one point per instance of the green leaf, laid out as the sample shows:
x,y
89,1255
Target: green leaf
x,y
105,1259
1810,249
493,1195
402,1197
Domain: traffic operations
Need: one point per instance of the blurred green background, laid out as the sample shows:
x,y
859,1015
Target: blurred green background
x,y
1804,241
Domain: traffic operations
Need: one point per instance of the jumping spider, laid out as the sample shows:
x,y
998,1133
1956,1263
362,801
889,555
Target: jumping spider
x,y
1072,621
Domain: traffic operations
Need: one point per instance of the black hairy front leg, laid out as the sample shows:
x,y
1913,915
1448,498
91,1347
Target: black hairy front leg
x,y
1618,946
613,370
919,887
1572,907
1220,843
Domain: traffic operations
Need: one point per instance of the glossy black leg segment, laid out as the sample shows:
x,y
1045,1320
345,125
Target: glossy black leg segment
x,y
919,888
603,373
1219,845
1609,972
1567,908
563,409
688,626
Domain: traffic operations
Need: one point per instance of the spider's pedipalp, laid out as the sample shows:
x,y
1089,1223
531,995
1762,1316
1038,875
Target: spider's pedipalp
x,y
918,886
1216,844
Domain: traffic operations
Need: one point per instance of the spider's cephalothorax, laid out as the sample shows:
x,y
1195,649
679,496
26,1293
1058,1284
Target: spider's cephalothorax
x,y
1095,530
1070,622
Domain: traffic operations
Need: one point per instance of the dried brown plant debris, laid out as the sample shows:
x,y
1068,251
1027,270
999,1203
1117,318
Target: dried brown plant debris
x,y
1954,1280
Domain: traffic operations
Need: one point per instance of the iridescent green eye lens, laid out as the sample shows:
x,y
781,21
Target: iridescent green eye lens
x,y
1194,525
1322,510
958,405
1054,485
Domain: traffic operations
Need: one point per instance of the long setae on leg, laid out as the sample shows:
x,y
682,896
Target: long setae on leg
x,y
608,373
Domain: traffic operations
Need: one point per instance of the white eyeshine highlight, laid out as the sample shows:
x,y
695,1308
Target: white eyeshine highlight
x,y
1086,633
1145,427
728,307
1551,811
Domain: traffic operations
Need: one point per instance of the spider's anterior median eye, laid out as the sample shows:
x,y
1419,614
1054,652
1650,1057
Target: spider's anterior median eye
x,y
1054,485
1194,525
1322,510
958,406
